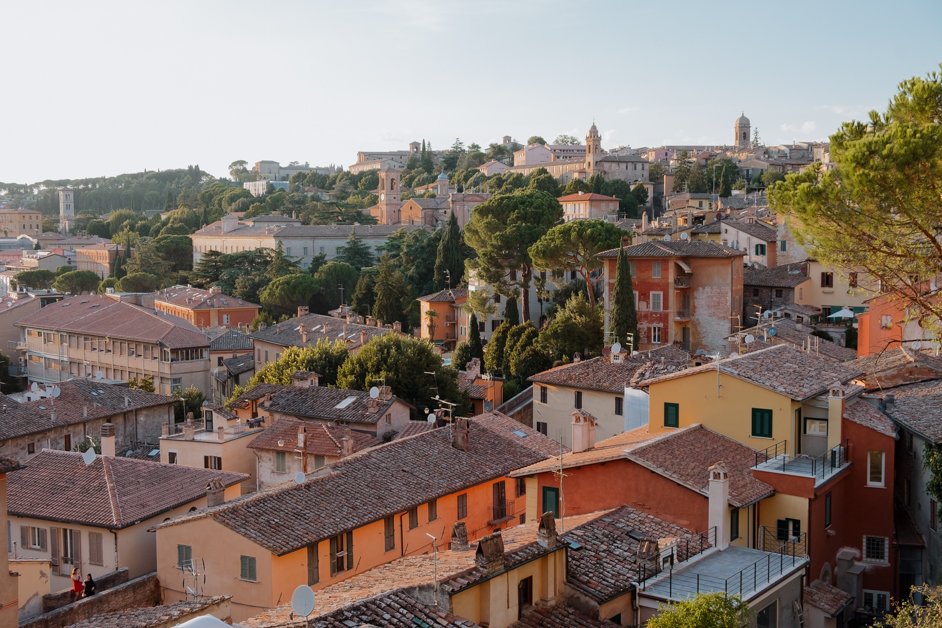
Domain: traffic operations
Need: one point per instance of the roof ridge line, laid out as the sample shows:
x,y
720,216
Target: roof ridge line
x,y
112,489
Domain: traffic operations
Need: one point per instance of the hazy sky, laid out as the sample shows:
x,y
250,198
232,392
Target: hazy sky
x,y
100,88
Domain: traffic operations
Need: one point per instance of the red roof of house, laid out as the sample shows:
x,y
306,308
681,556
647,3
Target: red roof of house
x,y
585,196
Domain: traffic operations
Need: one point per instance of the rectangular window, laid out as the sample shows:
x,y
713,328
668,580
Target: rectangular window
x,y
33,538
462,505
432,510
619,406
172,457
760,249
30,448
852,280
656,335
413,518
876,600
499,500
544,394
779,293
95,547
768,616
389,532
247,568
184,556
657,301
655,270
827,510
280,462
734,524
341,553
761,423
521,486
541,427
782,245
671,414
212,462
577,400
827,280
875,468
933,514
875,548
69,539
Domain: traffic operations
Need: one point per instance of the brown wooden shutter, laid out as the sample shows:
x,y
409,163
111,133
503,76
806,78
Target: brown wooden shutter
x,y
333,556
95,553
350,549
54,554
77,548
24,537
313,568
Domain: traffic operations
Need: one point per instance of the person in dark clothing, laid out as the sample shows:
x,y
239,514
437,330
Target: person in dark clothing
x,y
90,585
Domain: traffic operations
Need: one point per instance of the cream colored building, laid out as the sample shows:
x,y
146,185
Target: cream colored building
x,y
15,222
832,289
9,599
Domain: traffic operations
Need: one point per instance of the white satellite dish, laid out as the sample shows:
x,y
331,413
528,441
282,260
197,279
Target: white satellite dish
x,y
88,456
54,392
684,236
431,418
749,339
34,387
299,478
374,393
767,314
667,237
99,375
204,621
616,348
302,601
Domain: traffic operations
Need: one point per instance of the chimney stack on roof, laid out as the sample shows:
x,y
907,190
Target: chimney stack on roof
x,y
346,444
836,399
108,446
303,331
363,337
718,504
459,537
490,553
302,433
385,393
215,493
583,431
303,310
546,533
221,433
461,434
397,327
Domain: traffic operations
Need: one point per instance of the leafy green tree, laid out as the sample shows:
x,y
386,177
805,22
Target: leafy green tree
x,y
517,343
624,319
284,294
108,282
877,209
908,614
364,295
511,313
449,258
389,290
324,358
567,140
720,174
576,245
640,193
501,231
707,610
402,363
337,281
529,361
535,139
38,279
77,282
355,252
142,383
597,183
209,269
494,350
576,327
544,182
510,343
462,355
575,186
771,177
480,304
279,264
681,172
475,346
138,282
193,399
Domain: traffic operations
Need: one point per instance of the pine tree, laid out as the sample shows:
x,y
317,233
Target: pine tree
x,y
449,256
624,316
474,339
389,290
511,313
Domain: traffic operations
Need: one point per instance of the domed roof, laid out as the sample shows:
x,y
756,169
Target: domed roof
x,y
442,176
742,119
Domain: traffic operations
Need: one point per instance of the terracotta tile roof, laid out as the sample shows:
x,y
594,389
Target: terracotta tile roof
x,y
446,296
606,376
786,276
755,229
686,455
604,561
866,414
79,400
676,248
409,571
231,340
318,326
827,597
255,393
319,439
8,465
98,315
710,227
585,196
467,385
476,575
613,448
392,610
152,616
559,616
240,364
199,299
330,404
110,493
918,407
415,427
787,331
783,368
878,368
382,481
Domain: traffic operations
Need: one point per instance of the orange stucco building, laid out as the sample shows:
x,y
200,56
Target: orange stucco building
x,y
439,315
889,323
205,308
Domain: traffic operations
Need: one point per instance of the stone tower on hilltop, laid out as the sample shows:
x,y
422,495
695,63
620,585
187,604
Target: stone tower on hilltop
x,y
390,202
742,130
593,149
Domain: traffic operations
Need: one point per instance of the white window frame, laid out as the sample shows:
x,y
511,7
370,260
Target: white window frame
x,y
886,549
655,270
882,482
281,462
655,335
660,301
874,596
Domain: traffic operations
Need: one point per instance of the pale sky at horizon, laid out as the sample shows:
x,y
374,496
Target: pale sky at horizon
x,y
100,88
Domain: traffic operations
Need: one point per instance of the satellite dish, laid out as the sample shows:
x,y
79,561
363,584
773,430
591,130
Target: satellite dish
x,y
667,237
204,621
432,418
749,339
302,601
299,478
54,392
88,456
99,375
34,387
684,236
616,348
374,393
767,314
773,331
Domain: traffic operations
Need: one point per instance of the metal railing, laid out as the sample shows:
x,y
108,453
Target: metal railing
x,y
682,313
776,458
680,553
794,545
681,282
779,449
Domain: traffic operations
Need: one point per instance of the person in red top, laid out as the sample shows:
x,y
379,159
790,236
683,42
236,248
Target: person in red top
x,y
77,586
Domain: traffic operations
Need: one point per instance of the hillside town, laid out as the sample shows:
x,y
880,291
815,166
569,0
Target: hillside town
x,y
533,383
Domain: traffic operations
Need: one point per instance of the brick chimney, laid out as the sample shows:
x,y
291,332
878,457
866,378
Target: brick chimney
x,y
490,553
346,445
107,440
303,331
460,435
459,537
397,327
302,434
546,533
718,504
303,310
363,337
385,393
583,431
215,492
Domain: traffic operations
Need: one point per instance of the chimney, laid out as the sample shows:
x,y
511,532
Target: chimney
x,y
107,440
305,379
189,429
164,430
303,310
385,393
303,331
459,537
490,553
583,431
836,398
718,504
460,436
346,445
397,327
302,433
362,336
221,433
369,320
546,532
473,368
215,493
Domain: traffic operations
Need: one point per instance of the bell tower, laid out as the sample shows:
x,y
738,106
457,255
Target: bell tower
x,y
389,200
593,149
742,130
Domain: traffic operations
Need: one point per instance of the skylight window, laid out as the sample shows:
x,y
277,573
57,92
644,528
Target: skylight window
x,y
519,433
343,405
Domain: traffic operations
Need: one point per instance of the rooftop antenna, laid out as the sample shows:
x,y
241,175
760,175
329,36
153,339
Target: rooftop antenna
x,y
340,287
434,564
562,502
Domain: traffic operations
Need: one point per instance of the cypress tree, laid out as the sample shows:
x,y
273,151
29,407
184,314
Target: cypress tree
x,y
449,256
474,339
624,315
511,313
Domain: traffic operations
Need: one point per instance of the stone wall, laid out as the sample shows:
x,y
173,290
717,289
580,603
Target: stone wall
x,y
143,591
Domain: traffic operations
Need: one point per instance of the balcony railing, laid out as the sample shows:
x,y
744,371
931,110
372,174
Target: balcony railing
x,y
791,545
682,314
775,458
682,552
681,282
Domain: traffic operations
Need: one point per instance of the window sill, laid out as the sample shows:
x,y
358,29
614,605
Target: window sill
x,y
249,581
868,485
496,522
